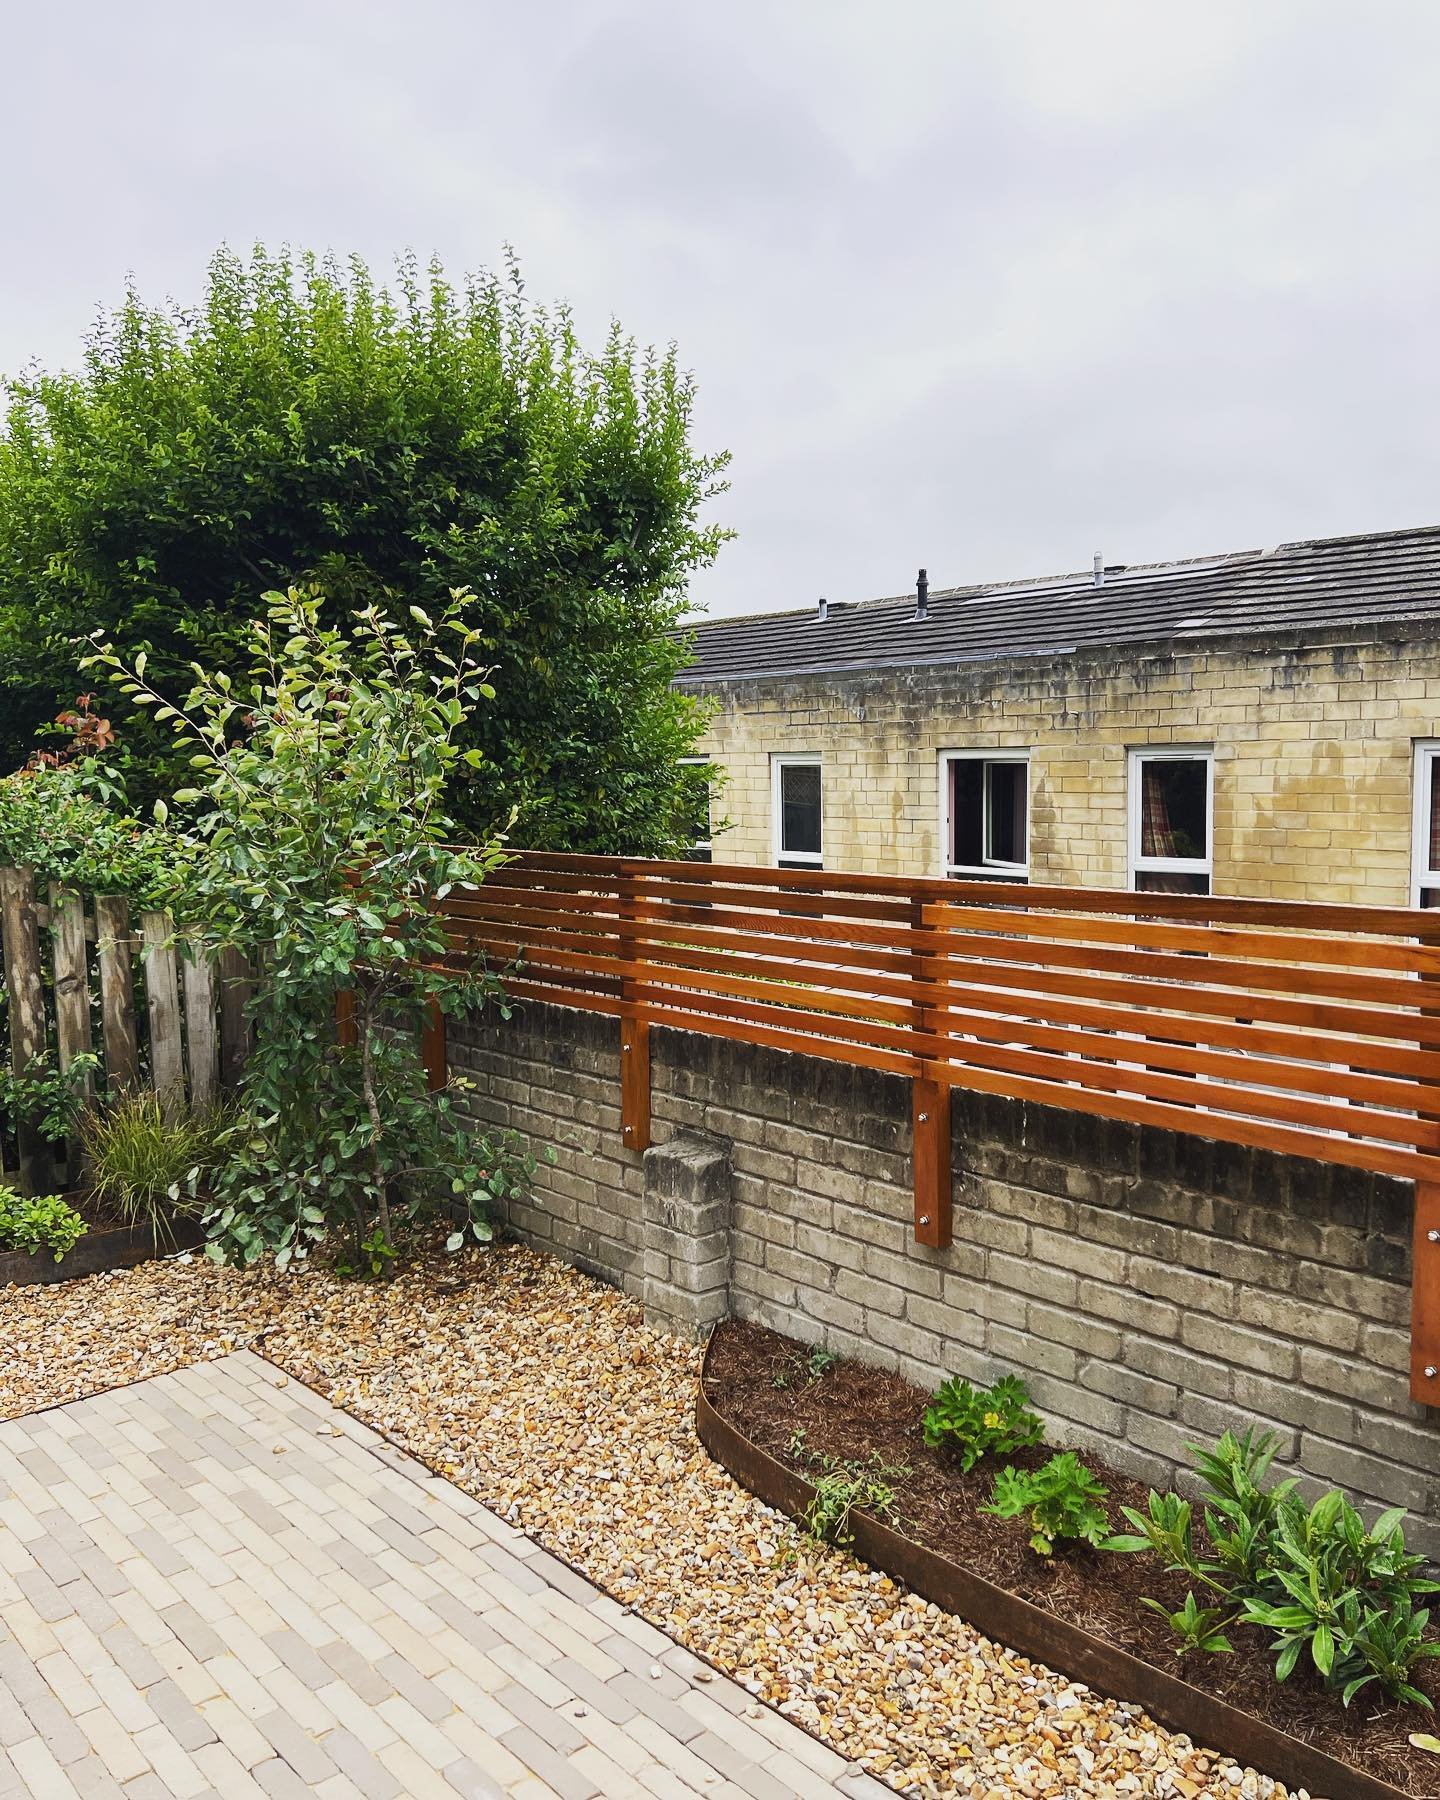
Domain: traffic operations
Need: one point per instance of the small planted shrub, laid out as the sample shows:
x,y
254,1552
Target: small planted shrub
x,y
44,1096
1336,1593
39,1222
1063,1499
147,1165
797,1369
981,1422
841,1486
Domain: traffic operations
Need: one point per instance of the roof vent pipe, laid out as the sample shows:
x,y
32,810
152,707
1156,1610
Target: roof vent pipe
x,y
823,610
922,595
1099,570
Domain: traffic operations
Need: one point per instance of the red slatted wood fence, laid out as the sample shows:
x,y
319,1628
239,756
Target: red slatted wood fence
x,y
1300,1028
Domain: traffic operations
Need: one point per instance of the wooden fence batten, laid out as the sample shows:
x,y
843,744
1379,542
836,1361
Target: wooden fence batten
x,y
114,952
202,1039
20,926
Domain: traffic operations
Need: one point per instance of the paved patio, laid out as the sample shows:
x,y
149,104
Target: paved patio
x,y
213,1583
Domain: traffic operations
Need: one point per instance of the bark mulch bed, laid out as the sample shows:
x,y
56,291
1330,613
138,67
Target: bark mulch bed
x,y
759,1381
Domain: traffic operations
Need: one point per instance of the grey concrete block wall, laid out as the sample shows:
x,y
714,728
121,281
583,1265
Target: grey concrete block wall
x,y
1151,1288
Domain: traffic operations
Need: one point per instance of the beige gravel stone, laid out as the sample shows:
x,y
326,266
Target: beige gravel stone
x,y
545,1395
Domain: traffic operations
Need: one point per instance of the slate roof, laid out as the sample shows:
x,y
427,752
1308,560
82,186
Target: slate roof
x,y
1383,577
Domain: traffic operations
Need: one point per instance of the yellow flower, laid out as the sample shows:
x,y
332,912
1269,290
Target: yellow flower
x,y
993,1421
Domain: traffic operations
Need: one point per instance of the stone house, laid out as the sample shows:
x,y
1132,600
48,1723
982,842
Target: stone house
x,y
1259,724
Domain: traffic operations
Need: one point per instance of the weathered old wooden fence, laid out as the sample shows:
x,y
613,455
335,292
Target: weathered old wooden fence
x,y
1297,1028
189,1036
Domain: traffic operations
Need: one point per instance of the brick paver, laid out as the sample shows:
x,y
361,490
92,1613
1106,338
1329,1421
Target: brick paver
x,y
213,1583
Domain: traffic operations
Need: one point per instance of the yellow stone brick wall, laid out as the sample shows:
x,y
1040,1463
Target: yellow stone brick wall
x,y
1313,746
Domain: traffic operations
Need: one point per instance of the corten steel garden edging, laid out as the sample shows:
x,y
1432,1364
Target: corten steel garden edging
x,y
121,1247
1040,1635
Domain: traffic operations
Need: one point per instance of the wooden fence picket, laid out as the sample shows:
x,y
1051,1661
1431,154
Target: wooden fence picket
x,y
162,1002
24,981
72,979
235,984
202,1044
117,994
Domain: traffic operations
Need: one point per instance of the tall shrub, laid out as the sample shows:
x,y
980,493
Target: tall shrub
x,y
304,423
323,847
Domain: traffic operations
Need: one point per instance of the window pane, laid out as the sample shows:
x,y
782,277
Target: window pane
x,y
1006,820
1172,808
967,812
1433,809
1158,881
799,810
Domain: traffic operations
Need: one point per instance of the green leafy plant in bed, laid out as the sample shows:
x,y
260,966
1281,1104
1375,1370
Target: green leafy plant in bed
x,y
1063,1499
841,1485
981,1422
1333,1592
38,1222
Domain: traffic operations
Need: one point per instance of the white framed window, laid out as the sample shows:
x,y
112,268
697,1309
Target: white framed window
x,y
1425,851
1172,811
797,811
702,827
985,813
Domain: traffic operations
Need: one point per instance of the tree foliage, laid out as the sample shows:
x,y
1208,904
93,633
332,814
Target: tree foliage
x,y
323,847
305,423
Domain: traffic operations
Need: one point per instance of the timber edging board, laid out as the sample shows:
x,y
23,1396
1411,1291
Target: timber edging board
x,y
1040,1635
122,1247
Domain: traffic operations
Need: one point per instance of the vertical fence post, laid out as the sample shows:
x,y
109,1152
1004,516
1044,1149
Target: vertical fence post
x,y
930,1109
634,1031
117,994
162,1004
20,928
1425,1296
202,1043
347,1031
72,979
1425,1267
433,1051
234,1025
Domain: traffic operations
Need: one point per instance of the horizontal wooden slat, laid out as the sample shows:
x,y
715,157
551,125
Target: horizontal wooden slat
x,y
1289,1027
1003,946
1386,921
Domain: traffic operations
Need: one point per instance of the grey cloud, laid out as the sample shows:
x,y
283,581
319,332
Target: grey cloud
x,y
981,287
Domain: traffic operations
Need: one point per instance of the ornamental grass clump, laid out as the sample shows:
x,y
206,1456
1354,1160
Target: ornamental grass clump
x,y
323,852
1333,1593
148,1162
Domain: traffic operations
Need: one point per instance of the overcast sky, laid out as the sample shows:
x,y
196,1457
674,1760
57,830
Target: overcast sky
x,y
985,287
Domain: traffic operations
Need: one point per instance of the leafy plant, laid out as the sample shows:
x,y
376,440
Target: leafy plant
x,y
1063,1499
45,1096
1330,1589
324,850
302,422
65,816
984,1422
843,1485
1197,1627
36,1222
809,1366
148,1164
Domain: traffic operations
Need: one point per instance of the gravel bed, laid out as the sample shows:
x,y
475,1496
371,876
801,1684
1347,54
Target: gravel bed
x,y
545,1395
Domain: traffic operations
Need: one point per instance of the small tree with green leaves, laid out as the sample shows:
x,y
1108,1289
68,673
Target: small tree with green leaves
x,y
323,849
